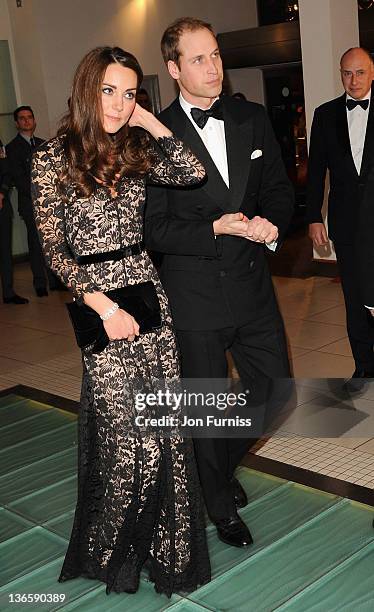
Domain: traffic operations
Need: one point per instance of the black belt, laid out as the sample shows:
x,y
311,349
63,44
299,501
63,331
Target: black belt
x,y
133,249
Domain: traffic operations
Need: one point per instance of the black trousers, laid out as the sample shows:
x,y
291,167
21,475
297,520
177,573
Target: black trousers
x,y
360,324
259,351
36,256
6,263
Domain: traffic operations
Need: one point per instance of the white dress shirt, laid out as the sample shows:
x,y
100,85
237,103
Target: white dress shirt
x,y
357,119
213,137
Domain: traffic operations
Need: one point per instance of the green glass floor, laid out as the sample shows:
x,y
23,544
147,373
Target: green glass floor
x,y
313,550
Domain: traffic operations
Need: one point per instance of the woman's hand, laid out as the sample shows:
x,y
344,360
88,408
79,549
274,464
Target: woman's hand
x,y
144,119
121,326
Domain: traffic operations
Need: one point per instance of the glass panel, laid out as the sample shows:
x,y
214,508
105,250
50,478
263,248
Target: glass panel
x,y
279,571
12,525
38,448
348,587
145,600
62,525
25,430
38,476
44,580
27,552
48,503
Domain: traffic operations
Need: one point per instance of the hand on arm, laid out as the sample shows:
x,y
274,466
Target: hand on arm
x,y
232,224
260,229
318,234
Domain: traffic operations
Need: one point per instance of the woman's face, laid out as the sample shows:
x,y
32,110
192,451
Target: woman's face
x,y
118,97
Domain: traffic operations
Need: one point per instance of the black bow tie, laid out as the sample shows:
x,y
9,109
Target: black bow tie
x,y
200,116
351,104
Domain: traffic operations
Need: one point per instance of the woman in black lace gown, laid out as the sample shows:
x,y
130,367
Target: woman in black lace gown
x,y
138,495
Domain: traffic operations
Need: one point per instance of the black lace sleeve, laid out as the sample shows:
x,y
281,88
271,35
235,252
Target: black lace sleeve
x,y
175,165
49,217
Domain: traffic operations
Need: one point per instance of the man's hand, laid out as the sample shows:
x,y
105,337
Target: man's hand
x,y
232,224
261,230
371,310
1,200
317,233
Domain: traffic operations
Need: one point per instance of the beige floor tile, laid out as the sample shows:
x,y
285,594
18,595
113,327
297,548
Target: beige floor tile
x,y
367,447
16,334
8,365
329,291
322,365
312,335
347,441
76,371
332,316
304,306
296,351
46,347
340,347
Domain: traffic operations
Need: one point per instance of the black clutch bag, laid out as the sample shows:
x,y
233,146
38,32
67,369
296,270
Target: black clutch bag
x,y
141,301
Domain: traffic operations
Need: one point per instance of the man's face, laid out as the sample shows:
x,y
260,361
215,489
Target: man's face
x,y
200,73
357,73
26,122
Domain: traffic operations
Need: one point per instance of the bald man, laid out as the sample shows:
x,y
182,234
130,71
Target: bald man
x,y
342,141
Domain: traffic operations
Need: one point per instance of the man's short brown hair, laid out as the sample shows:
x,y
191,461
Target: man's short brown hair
x,y
172,34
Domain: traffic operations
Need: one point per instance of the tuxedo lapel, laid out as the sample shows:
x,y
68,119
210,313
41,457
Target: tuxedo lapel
x,y
239,139
368,153
342,132
214,184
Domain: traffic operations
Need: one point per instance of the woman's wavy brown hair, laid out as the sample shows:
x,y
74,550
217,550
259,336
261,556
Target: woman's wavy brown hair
x,y
92,155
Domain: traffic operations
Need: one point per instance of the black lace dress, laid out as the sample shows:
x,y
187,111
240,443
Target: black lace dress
x,y
139,501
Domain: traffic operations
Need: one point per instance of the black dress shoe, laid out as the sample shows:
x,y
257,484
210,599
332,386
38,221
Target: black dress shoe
x,y
41,292
15,299
358,381
240,496
233,531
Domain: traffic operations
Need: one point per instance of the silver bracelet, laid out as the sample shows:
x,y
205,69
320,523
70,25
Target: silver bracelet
x,y
109,313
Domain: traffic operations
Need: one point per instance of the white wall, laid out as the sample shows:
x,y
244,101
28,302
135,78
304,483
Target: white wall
x,y
51,36
249,81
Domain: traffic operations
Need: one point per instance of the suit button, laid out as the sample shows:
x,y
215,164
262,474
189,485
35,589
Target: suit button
x,y
222,273
251,264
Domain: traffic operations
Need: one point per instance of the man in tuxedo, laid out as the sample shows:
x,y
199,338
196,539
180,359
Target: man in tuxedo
x,y
214,239
342,141
19,152
6,217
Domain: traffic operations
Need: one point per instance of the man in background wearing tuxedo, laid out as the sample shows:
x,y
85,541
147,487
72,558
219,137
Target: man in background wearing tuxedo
x,y
6,219
214,238
342,141
19,152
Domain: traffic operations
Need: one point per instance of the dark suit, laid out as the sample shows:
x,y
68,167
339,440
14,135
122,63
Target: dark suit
x,y
220,290
19,154
6,215
330,149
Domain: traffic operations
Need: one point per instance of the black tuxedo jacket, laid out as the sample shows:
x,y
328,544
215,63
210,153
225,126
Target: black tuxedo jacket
x,y
215,283
330,149
19,154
